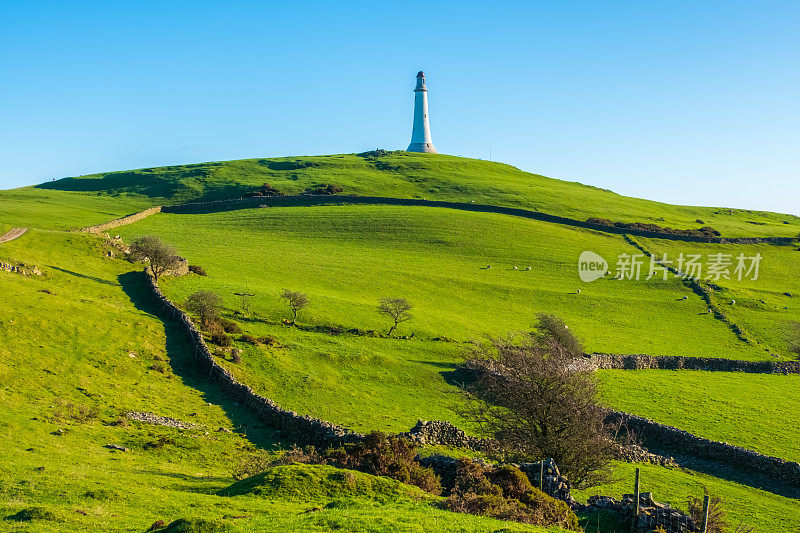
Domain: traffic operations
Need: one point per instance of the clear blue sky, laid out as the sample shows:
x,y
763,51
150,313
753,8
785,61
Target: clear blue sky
x,y
682,101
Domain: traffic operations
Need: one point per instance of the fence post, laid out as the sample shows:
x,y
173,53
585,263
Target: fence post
x,y
635,519
541,476
704,527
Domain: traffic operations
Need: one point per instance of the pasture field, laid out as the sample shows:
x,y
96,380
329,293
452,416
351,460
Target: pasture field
x,y
764,307
347,257
64,210
410,175
755,411
75,359
765,511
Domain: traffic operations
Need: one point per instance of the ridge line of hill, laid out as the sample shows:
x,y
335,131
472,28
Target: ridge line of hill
x,y
307,199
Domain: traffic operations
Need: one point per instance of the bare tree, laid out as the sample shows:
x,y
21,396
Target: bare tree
x,y
528,397
395,308
160,255
245,297
296,302
206,305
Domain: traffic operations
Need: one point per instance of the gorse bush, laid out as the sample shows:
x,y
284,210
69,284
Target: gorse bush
x,y
229,326
78,413
197,269
220,338
505,493
382,455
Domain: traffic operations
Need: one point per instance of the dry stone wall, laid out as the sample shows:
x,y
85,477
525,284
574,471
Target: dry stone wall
x,y
310,199
722,452
130,219
709,364
292,425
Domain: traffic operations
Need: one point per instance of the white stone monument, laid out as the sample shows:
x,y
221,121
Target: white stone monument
x,y
421,134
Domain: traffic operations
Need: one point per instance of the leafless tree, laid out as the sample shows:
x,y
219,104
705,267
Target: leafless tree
x,y
160,255
395,308
528,396
296,302
245,297
206,305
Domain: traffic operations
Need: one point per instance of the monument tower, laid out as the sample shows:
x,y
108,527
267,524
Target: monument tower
x,y
421,134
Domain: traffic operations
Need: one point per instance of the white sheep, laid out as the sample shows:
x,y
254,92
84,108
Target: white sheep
x,y
528,269
515,268
488,266
579,291
685,298
733,302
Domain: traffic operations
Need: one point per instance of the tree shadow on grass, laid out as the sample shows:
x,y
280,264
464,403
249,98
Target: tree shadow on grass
x,y
84,276
725,471
182,362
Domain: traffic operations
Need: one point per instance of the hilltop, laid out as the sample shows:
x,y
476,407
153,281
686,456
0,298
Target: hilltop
x,y
386,174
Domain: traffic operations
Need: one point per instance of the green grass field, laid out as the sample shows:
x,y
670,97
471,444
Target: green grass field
x,y
347,257
763,308
400,174
82,345
76,359
715,405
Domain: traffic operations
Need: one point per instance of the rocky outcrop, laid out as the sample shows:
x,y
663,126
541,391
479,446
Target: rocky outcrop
x,y
150,418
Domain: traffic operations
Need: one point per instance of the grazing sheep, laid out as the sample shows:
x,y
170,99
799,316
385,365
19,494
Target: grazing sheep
x,y
515,268
685,298
710,310
488,266
578,292
528,269
733,302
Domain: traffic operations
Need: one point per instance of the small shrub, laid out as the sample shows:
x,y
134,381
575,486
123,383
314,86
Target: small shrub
x,y
70,412
382,455
196,525
236,355
197,269
699,221
220,338
270,341
326,189
249,339
159,367
507,494
229,326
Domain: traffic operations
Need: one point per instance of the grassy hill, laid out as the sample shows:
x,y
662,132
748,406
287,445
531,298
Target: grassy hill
x,y
397,174
79,348
83,345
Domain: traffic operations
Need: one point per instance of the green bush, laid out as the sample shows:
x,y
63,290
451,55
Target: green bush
x,y
505,493
197,269
229,326
382,455
34,513
220,338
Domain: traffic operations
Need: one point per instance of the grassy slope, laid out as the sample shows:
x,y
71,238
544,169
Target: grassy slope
x,y
72,348
64,210
347,257
762,306
407,175
767,512
715,405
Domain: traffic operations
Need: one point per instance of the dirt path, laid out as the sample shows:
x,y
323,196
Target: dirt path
x,y
13,234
